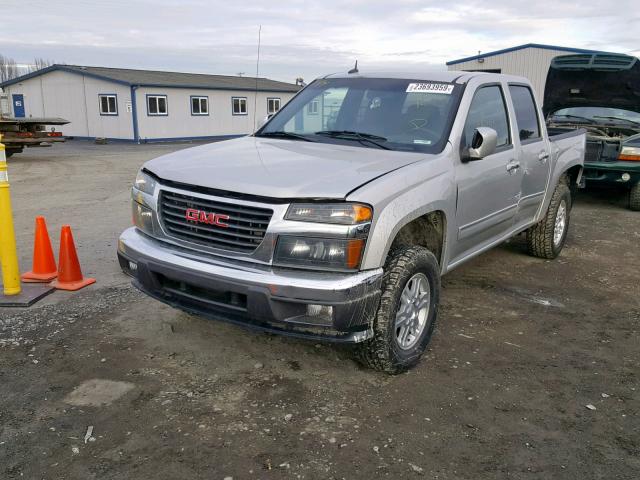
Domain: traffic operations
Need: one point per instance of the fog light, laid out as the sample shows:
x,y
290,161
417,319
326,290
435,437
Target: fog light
x,y
626,177
133,266
323,312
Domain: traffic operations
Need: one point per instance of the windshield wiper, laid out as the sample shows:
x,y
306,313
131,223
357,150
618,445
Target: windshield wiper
x,y
572,116
282,134
619,118
357,136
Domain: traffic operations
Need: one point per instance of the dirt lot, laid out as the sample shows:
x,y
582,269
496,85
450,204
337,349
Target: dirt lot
x,y
522,347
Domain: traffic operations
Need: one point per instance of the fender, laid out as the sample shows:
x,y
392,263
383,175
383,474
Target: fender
x,y
429,187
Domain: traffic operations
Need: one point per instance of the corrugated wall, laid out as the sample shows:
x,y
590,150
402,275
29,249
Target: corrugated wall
x,y
531,63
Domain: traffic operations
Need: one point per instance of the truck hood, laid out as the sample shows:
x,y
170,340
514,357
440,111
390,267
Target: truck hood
x,y
279,168
592,80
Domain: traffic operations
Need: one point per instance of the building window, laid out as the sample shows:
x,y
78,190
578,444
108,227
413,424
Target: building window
x,y
273,105
312,107
157,105
239,105
108,104
199,105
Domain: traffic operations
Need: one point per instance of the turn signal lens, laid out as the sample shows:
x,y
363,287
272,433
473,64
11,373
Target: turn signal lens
x,y
338,213
630,154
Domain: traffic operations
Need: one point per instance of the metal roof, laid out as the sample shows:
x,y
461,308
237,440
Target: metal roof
x,y
522,47
152,78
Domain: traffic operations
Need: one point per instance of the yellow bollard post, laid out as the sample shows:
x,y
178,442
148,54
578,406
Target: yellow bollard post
x,y
8,253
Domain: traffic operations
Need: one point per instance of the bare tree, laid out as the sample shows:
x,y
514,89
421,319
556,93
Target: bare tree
x,y
39,64
8,68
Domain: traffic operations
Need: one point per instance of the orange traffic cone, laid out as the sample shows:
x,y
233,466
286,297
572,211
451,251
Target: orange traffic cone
x,y
44,265
69,273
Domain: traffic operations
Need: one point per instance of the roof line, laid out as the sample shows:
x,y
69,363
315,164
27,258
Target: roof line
x,y
521,47
79,70
64,68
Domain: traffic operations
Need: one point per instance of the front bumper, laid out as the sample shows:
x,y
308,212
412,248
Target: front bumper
x,y
611,172
260,297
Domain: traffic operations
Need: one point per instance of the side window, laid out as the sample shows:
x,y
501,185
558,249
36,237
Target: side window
x,y
157,105
488,110
273,105
199,106
239,105
108,104
526,113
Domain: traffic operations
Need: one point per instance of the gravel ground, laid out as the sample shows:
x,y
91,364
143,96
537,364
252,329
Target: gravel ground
x,y
532,373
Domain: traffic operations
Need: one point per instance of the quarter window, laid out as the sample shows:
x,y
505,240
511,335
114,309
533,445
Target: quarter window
x,y
108,104
526,113
273,105
199,105
157,105
239,105
488,109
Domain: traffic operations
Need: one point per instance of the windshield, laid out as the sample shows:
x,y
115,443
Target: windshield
x,y
394,114
597,115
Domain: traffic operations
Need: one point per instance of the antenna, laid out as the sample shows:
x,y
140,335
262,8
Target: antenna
x,y
354,69
255,98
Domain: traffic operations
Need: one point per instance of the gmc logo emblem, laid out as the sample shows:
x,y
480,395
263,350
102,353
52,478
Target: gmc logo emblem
x,y
200,216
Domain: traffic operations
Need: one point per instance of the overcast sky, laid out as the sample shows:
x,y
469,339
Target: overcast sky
x,y
301,38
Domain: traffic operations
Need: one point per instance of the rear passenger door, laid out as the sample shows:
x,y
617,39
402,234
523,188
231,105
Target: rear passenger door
x,y
534,152
489,188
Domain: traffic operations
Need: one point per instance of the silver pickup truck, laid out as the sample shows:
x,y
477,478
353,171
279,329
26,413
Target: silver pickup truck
x,y
336,220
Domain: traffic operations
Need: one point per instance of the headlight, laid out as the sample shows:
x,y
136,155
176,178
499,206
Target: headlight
x,y
630,154
145,183
142,217
339,213
319,253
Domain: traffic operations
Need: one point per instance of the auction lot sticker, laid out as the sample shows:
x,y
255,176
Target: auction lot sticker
x,y
445,88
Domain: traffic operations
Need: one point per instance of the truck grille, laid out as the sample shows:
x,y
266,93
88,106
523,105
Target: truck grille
x,y
593,152
246,225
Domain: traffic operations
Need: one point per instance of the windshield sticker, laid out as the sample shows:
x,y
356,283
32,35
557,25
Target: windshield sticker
x,y
445,88
422,142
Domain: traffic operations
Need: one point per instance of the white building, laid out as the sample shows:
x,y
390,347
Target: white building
x,y
531,61
141,105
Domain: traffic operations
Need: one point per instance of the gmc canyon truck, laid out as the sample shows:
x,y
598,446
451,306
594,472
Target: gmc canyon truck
x,y
600,93
337,218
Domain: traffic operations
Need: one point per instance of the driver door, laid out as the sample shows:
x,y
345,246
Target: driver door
x,y
489,188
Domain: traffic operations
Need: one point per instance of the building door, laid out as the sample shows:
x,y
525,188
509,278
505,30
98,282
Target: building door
x,y
18,105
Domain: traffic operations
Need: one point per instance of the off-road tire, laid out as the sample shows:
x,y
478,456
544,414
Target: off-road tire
x,y
634,198
540,237
382,352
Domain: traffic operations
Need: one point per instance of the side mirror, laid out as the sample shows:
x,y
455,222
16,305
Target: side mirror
x,y
483,143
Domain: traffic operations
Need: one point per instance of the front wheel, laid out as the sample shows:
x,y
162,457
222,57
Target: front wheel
x,y
407,314
547,237
634,198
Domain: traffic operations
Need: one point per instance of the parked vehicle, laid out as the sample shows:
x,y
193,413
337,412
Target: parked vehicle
x,y
20,132
600,93
336,224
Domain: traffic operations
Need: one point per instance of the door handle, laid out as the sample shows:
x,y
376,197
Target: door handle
x,y
513,166
543,156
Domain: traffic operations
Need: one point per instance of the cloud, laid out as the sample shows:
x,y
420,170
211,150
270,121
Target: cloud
x,y
302,38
